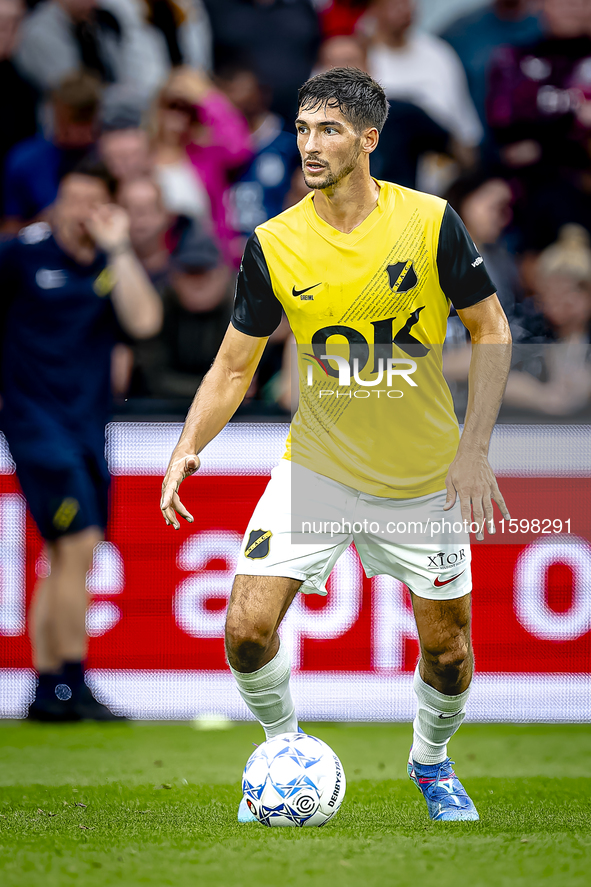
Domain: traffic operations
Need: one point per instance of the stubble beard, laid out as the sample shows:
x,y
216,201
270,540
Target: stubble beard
x,y
331,179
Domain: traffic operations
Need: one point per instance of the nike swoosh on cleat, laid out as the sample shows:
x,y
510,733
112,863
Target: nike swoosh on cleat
x,y
439,584
297,293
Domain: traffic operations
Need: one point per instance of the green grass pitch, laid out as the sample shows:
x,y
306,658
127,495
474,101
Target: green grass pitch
x,y
155,804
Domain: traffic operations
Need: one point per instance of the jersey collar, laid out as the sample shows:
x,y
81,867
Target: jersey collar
x,y
333,235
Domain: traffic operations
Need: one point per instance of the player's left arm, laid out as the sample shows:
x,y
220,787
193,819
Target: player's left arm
x,y
470,476
137,304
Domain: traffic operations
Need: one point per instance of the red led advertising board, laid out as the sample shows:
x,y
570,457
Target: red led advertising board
x,y
159,595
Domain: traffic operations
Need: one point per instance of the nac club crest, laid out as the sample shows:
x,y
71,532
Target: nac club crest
x,y
257,546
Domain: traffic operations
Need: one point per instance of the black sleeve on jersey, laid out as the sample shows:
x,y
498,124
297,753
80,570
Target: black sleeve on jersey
x,y
257,311
463,278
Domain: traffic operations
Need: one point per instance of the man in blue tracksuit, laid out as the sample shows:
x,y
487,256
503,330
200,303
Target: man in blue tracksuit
x,y
67,293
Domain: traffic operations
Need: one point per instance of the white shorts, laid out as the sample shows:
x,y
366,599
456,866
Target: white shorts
x,y
301,535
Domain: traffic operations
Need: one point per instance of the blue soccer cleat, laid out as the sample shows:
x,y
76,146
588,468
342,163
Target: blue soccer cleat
x,y
244,814
447,799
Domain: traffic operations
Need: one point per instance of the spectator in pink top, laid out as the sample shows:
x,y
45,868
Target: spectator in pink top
x,y
197,137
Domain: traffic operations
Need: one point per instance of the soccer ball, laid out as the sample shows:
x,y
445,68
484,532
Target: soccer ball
x,y
293,779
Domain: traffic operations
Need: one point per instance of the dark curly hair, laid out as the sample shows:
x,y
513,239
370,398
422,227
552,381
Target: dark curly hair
x,y
358,97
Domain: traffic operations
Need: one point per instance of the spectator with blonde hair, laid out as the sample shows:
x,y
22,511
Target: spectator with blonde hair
x,y
556,379
198,136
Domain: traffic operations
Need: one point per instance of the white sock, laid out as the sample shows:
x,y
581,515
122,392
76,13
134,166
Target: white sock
x,y
267,694
438,718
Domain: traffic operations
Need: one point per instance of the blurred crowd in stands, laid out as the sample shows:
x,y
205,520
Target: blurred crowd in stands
x,y
189,104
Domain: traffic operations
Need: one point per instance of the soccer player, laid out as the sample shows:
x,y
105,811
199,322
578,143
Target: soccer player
x,y
67,292
369,262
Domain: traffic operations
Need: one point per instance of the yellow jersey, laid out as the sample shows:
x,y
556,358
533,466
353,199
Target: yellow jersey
x,y
368,311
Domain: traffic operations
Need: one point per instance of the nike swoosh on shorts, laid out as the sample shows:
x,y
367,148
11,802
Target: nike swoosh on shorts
x,y
439,584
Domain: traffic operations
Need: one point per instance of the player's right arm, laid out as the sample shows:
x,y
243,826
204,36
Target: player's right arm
x,y
219,396
257,313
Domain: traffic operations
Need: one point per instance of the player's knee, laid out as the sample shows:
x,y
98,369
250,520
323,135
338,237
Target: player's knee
x,y
452,662
76,550
247,644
